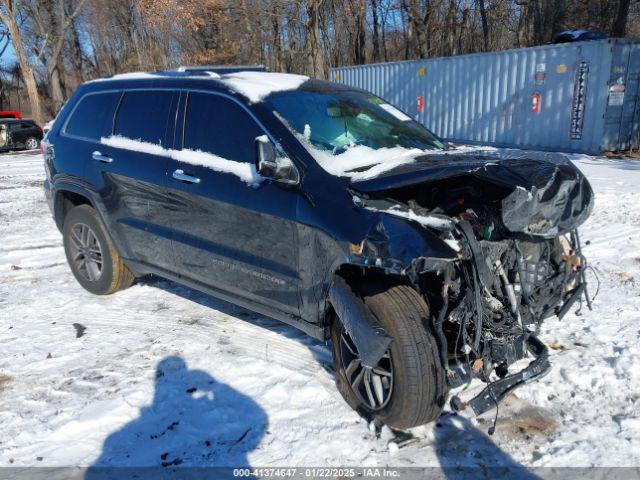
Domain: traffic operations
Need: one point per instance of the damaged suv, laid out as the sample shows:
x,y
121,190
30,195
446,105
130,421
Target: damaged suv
x,y
329,209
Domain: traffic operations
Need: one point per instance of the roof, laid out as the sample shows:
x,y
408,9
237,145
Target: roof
x,y
16,120
253,85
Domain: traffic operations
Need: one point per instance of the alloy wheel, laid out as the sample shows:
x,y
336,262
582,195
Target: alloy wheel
x,y
372,386
31,143
86,253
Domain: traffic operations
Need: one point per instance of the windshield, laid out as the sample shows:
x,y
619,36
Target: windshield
x,y
336,121
352,131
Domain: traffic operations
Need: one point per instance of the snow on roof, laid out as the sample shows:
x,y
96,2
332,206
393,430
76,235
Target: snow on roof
x,y
253,85
127,76
257,85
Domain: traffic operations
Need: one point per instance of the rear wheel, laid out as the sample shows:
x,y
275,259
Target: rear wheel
x,y
91,255
407,387
31,143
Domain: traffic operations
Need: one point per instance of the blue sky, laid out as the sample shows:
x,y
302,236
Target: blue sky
x,y
9,56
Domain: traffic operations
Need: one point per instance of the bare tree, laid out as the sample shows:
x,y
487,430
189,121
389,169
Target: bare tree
x,y
620,23
8,17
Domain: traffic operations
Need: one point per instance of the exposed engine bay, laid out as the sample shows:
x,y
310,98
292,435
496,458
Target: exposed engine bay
x,y
510,225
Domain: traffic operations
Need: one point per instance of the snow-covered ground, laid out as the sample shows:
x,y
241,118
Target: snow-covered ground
x,y
163,374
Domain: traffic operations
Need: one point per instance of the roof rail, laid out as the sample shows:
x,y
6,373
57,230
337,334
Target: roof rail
x,y
222,69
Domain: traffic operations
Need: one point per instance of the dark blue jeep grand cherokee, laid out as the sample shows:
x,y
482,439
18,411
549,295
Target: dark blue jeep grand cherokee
x,y
327,208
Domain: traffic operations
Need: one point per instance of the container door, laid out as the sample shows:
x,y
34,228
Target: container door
x,y
630,128
622,100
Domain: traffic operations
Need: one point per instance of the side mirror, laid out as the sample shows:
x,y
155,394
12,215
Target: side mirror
x,y
269,165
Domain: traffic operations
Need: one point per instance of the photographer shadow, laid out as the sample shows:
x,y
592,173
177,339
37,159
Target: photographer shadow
x,y
193,421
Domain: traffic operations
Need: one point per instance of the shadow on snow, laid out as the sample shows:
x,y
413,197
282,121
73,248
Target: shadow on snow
x,y
194,420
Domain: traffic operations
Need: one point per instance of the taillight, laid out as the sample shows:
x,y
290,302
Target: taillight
x,y
535,102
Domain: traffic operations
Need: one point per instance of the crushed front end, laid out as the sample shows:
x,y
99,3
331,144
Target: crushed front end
x,y
510,226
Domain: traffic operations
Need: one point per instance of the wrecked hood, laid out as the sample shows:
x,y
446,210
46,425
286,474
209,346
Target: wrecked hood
x,y
543,194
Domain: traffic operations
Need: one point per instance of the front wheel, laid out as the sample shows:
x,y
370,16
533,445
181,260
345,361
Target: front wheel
x,y
407,387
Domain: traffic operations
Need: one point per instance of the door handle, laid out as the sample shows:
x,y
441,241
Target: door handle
x,y
101,158
183,177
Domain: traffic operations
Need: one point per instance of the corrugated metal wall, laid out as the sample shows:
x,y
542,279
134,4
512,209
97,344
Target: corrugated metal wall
x,y
487,97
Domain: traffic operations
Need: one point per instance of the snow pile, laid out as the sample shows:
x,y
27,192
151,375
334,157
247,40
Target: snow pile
x,y
257,85
244,171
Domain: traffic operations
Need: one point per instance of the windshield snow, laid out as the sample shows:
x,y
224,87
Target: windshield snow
x,y
349,132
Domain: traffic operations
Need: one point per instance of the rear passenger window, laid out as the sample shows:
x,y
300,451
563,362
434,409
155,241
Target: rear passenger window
x,y
215,124
93,117
144,116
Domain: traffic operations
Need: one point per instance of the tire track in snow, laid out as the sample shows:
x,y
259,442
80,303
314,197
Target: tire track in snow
x,y
253,340
627,233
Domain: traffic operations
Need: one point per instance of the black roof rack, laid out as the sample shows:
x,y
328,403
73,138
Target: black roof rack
x,y
222,69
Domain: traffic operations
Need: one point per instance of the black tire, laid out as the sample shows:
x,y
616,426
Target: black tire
x,y
419,385
111,275
31,143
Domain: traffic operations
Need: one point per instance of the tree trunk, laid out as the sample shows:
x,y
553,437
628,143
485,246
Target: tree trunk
x,y
7,15
619,26
485,25
275,37
453,25
57,92
254,54
375,39
416,32
77,61
315,60
360,53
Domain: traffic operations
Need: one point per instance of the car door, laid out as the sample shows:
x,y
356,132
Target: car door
x,y
16,134
128,168
233,230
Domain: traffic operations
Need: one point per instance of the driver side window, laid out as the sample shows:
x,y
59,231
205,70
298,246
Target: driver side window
x,y
217,125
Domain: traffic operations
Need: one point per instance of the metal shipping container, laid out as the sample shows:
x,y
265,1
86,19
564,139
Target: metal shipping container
x,y
573,97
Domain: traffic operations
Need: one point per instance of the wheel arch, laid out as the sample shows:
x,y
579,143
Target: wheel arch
x,y
357,277
67,197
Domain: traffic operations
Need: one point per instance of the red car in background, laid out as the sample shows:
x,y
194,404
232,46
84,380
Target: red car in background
x,y
10,114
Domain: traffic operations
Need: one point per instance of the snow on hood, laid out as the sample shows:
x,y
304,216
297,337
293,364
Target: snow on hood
x,y
257,85
363,163
244,171
361,156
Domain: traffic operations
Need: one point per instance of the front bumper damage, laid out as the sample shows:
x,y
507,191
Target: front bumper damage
x,y
498,390
490,269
